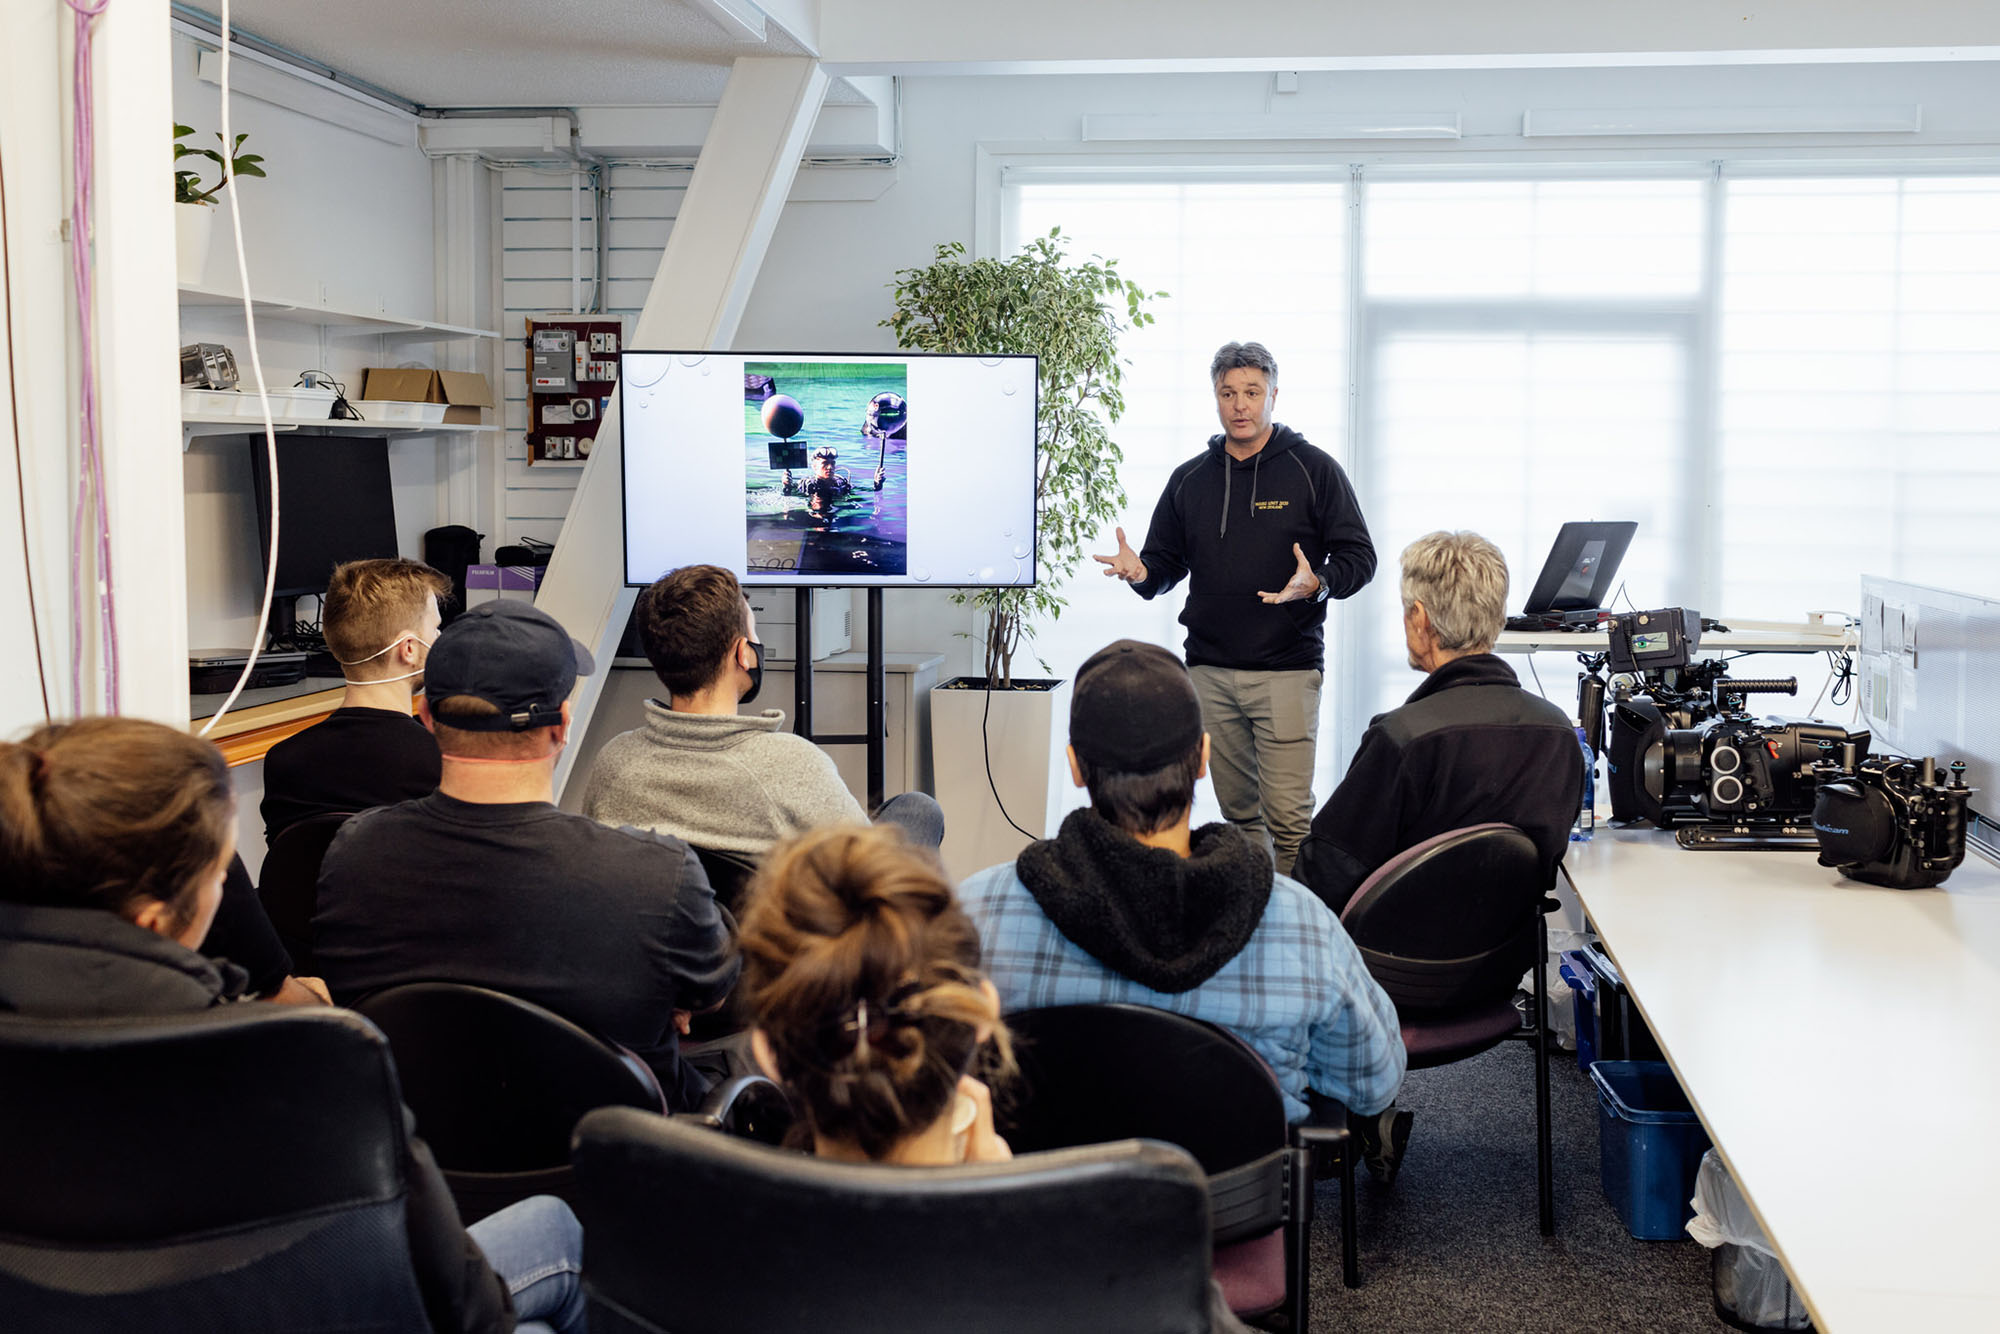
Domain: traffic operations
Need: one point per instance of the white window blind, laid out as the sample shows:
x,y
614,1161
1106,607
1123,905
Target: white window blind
x,y
1527,354
1249,261
1860,389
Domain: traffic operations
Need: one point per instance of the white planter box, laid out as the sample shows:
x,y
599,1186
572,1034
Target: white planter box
x,y
192,225
1025,734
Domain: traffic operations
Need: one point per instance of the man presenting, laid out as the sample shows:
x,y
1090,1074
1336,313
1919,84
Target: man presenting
x,y
1262,555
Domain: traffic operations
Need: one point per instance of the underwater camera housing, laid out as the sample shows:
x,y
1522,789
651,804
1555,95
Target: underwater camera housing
x,y
1891,821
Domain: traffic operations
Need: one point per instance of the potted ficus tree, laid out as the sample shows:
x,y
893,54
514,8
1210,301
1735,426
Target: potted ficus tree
x,y
194,212
1069,313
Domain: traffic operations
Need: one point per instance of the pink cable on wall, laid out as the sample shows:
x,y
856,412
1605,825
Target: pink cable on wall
x,y
90,486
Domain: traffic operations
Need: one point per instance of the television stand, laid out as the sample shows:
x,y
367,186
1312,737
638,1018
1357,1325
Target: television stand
x,y
875,737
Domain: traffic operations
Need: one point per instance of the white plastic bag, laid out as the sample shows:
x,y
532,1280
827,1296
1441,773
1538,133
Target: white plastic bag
x,y
1751,1288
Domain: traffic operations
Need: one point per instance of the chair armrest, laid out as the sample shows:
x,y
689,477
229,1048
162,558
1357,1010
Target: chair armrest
x,y
1325,1123
749,1106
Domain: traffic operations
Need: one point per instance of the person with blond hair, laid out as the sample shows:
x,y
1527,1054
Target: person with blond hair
x,y
1469,747
380,618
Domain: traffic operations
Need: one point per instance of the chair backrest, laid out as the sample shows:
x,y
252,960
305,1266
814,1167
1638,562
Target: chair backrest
x,y
728,875
1453,921
233,1170
498,1084
288,883
691,1230
1091,1074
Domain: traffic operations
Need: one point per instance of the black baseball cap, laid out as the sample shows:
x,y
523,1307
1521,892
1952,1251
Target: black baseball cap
x,y
515,657
1134,708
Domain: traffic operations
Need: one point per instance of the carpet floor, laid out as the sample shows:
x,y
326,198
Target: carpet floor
x,y
1453,1245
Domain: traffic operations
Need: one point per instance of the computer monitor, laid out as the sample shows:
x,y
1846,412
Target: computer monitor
x,y
1581,565
335,504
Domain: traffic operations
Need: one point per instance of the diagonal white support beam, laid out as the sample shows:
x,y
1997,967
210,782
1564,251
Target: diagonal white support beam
x,y
697,299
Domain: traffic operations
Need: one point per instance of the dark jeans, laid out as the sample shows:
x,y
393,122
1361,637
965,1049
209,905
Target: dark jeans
x,y
918,815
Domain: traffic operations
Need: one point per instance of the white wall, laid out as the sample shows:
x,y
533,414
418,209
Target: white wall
x,y
342,219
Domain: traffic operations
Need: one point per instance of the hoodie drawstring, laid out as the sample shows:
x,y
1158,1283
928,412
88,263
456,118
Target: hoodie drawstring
x,y
1255,466
1226,470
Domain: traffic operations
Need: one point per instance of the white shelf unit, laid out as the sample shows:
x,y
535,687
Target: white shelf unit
x,y
338,322
193,426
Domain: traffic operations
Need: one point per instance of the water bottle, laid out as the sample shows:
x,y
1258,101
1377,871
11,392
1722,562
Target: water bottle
x,y
1586,816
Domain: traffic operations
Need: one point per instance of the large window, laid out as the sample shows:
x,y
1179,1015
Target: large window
x,y
1787,381
1262,261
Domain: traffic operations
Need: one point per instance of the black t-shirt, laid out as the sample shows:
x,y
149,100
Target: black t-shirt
x,y
614,929
350,760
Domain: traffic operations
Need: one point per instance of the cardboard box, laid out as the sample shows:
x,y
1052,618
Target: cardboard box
x,y
464,392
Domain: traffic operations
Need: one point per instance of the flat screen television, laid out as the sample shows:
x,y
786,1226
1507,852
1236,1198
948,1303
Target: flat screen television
x,y
335,504
861,470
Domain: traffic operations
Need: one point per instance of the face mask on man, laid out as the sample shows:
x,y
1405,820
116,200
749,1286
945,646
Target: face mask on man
x,y
756,672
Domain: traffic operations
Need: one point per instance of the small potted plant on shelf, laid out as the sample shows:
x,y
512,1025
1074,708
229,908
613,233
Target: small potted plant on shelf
x,y
1069,314
193,214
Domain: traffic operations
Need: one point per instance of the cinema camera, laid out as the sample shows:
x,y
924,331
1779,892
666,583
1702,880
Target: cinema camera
x,y
1681,747
1891,821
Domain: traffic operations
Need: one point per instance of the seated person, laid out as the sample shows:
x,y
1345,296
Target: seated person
x,y
861,976
115,835
1128,904
706,774
1469,747
380,618
486,883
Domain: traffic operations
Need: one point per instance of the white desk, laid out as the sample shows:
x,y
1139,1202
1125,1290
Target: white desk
x,y
1842,1045
1743,637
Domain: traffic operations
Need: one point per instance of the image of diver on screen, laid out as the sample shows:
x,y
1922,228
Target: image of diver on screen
x,y
826,472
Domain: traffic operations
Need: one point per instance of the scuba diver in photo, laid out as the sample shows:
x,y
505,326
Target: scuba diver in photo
x,y
826,484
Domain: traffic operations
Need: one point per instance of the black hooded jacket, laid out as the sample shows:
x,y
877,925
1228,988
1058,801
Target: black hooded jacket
x,y
1229,529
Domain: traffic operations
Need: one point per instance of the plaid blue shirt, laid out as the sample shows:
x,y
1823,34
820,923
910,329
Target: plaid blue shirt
x,y
1298,992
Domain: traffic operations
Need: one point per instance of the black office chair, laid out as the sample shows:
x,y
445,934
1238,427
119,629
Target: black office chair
x,y
498,1084
728,875
1448,927
699,1233
288,884
234,1170
749,1107
1095,1073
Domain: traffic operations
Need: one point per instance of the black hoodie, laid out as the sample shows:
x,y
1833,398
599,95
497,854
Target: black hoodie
x,y
1230,528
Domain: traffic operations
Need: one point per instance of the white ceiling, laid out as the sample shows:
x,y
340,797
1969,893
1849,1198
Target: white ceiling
x,y
490,53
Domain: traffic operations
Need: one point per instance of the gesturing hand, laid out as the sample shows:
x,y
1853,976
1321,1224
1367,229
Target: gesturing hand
x,y
1125,565
1303,583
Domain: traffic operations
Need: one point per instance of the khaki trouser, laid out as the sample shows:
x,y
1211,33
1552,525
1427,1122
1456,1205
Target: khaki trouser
x,y
1262,731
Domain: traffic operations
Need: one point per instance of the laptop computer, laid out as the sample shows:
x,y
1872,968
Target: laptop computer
x,y
1576,580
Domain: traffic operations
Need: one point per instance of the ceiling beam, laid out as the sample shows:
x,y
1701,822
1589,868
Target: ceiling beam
x,y
1170,36
697,298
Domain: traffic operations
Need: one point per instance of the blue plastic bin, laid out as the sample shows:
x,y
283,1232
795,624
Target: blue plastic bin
x,y
1583,984
1649,1146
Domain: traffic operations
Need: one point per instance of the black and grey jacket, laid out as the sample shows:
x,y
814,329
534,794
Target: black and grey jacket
x,y
1229,529
1470,746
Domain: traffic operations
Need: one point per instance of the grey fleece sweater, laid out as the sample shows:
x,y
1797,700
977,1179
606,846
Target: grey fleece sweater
x,y
729,784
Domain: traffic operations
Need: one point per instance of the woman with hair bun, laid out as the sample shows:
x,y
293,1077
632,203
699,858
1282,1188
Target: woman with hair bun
x,y
115,836
861,974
